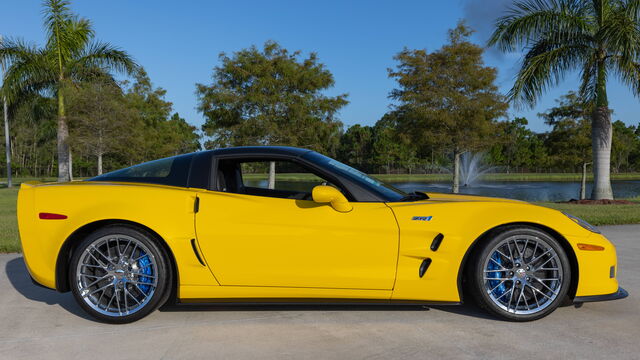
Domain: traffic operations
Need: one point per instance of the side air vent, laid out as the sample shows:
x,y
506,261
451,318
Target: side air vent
x,y
435,244
195,251
424,266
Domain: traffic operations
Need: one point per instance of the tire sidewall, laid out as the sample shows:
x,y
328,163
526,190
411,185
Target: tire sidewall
x,y
163,287
477,275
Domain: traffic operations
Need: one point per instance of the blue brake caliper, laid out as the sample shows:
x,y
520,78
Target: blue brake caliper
x,y
493,283
144,269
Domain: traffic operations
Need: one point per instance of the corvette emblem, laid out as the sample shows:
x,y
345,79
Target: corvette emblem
x,y
422,218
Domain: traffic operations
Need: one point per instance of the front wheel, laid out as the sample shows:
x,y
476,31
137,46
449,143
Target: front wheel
x,y
520,274
118,274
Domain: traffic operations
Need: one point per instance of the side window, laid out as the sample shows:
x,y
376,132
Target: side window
x,y
172,171
277,178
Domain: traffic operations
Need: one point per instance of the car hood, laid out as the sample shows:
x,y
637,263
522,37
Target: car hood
x,y
440,197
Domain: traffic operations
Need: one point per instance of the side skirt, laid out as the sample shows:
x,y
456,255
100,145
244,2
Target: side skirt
x,y
311,301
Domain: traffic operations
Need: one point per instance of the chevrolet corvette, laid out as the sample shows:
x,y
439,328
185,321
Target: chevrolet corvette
x,y
230,225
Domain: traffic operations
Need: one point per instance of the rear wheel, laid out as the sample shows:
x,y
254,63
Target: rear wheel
x,y
520,274
119,274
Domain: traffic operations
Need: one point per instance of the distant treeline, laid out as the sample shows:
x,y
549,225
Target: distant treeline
x,y
112,125
384,148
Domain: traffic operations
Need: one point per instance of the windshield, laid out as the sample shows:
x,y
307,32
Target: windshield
x,y
386,191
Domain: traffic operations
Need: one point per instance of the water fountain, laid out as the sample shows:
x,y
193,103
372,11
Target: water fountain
x,y
472,168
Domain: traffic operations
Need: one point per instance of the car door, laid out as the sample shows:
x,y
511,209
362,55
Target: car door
x,y
253,235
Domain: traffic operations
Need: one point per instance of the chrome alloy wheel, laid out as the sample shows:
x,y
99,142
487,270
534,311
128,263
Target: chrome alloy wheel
x,y
523,274
117,275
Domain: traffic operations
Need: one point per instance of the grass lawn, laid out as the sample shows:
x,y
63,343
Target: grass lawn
x,y
9,241
595,214
601,214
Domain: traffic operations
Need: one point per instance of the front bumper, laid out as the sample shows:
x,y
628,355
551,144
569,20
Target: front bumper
x,y
620,294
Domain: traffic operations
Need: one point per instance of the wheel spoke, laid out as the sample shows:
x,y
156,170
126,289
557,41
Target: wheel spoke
x,y
96,281
543,284
96,290
503,255
505,293
497,263
533,261
103,255
497,286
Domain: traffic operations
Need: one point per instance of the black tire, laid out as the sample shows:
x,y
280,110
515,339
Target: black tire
x,y
480,288
162,272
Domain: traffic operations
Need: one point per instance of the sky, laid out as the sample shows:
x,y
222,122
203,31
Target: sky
x,y
178,43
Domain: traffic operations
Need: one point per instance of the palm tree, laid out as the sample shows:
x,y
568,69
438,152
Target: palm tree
x,y
69,56
598,38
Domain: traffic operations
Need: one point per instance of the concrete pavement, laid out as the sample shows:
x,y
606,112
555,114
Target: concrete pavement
x,y
39,323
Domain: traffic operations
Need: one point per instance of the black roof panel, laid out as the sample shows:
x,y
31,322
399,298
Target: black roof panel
x,y
261,150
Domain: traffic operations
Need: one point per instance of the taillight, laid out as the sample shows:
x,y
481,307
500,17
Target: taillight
x,y
51,216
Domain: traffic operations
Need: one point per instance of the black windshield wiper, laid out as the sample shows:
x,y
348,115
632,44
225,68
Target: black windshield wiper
x,y
415,196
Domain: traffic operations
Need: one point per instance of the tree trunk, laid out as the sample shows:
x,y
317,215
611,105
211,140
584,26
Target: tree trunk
x,y
456,172
7,140
601,132
63,141
70,166
99,163
272,175
583,183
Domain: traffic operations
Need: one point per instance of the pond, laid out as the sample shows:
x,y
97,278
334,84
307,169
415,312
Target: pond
x,y
525,190
521,190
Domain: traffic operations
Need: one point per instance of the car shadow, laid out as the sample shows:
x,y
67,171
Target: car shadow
x,y
19,278
470,309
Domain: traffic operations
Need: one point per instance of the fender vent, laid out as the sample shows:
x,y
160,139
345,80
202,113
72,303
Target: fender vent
x,y
424,266
195,251
435,244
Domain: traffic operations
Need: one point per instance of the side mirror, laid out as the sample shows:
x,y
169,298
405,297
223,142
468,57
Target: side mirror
x,y
324,194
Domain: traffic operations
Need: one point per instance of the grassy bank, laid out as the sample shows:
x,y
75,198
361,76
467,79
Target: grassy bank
x,y
595,214
601,214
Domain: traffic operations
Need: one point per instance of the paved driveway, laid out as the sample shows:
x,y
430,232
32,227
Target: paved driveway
x,y
38,323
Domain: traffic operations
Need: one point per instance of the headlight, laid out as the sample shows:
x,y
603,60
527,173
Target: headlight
x,y
582,223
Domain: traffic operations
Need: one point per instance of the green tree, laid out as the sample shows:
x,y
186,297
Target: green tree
x,y
100,120
597,37
271,97
512,146
569,141
179,136
449,96
69,56
33,135
624,142
356,147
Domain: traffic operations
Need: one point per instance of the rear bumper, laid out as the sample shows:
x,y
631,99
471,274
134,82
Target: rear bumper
x,y
620,294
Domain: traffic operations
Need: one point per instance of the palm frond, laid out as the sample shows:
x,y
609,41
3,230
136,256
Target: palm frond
x,y
67,34
527,20
32,71
620,33
105,56
588,76
545,65
627,72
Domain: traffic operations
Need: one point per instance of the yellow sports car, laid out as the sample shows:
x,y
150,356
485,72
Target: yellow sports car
x,y
210,227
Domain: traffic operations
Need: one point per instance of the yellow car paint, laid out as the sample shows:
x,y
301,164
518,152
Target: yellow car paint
x,y
262,241
261,247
